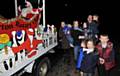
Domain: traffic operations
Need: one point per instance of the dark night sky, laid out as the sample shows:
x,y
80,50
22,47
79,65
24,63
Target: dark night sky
x,y
69,10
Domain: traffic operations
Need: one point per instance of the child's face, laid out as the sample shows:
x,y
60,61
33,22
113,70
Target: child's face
x,y
84,25
90,45
95,18
76,24
69,25
104,39
83,44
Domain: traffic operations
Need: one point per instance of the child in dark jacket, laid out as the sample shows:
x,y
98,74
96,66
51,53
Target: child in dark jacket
x,y
90,59
80,56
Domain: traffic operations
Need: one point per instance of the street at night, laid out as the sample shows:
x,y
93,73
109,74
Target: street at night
x,y
53,37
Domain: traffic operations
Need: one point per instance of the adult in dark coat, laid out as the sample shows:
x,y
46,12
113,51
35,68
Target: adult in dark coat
x,y
77,35
62,37
93,27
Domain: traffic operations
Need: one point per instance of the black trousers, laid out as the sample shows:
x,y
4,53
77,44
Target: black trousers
x,y
88,74
102,71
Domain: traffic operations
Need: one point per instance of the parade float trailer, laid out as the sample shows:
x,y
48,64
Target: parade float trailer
x,y
24,44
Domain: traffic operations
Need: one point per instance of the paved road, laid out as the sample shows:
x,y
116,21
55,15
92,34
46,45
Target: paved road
x,y
65,66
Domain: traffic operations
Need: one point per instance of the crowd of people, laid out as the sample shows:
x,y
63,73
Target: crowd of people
x,y
91,49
